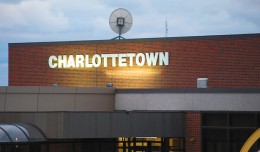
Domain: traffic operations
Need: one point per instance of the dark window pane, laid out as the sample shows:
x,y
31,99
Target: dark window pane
x,y
255,147
242,120
215,140
214,119
258,120
238,137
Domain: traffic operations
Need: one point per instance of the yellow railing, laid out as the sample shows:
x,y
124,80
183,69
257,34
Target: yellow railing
x,y
250,141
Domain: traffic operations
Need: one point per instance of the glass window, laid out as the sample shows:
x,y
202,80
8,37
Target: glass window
x,y
3,136
238,137
15,133
215,140
229,133
242,120
215,119
25,131
258,120
20,133
156,144
33,133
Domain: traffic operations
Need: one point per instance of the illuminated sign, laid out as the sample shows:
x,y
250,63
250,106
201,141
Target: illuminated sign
x,y
116,60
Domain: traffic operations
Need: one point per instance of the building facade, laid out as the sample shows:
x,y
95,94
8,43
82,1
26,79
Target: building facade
x,y
154,104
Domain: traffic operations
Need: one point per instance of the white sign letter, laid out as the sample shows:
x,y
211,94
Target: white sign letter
x,y
79,61
105,56
137,59
113,56
53,61
62,61
87,64
164,58
96,60
151,58
131,58
122,60
71,63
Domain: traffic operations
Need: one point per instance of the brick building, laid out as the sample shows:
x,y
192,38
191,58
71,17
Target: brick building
x,y
156,102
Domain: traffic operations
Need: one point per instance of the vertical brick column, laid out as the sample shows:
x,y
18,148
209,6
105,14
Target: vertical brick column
x,y
193,132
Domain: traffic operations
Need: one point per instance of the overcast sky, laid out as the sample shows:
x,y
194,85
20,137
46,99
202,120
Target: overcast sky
x,y
70,20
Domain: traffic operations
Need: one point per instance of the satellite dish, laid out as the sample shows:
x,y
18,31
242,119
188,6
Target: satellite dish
x,y
120,21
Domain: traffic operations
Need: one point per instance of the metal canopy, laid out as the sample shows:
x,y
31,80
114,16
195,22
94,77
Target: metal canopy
x,y
21,133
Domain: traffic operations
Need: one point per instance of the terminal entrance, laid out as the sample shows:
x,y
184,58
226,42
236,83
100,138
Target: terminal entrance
x,y
150,144
133,144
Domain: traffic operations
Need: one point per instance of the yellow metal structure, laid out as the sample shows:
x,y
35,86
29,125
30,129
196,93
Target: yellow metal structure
x,y
250,141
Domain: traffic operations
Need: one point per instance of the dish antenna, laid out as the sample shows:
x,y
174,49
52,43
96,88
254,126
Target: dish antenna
x,y
120,21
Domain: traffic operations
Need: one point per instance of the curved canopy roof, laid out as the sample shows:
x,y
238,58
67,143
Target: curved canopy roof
x,y
21,133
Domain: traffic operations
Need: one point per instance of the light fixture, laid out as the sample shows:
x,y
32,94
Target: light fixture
x,y
192,139
109,84
202,83
148,137
55,85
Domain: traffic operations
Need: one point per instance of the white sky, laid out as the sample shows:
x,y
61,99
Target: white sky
x,y
70,20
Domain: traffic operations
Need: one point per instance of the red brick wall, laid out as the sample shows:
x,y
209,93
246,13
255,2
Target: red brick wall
x,y
228,62
193,132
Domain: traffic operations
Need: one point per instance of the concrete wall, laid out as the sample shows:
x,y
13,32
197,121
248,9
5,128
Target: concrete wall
x,y
188,99
43,99
38,99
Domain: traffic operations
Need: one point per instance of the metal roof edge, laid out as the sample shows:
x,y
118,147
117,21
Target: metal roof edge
x,y
191,90
205,37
